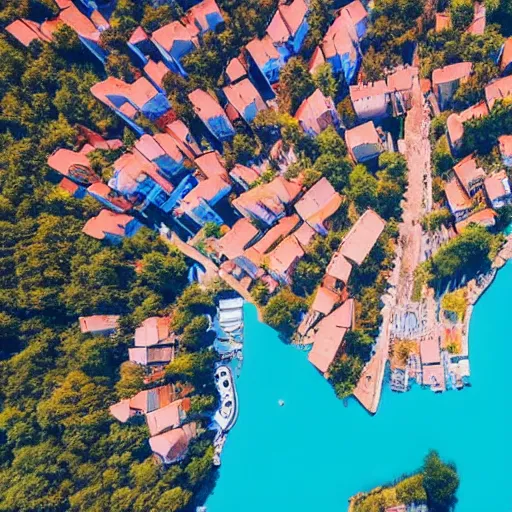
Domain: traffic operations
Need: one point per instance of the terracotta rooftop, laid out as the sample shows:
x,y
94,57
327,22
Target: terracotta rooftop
x,y
262,51
97,141
245,174
98,323
354,12
497,185
313,108
179,131
498,90
361,238
233,243
443,21
107,223
339,267
477,27
205,105
26,31
433,376
456,196
317,59
282,229
175,32
304,235
139,34
173,445
340,38
455,122
201,14
69,186
318,204
156,71
167,417
362,91
151,355
63,160
102,190
235,69
402,79
451,73
486,217
287,21
211,164
325,300
154,331
362,134
206,190
285,255
505,142
506,56
467,172
243,94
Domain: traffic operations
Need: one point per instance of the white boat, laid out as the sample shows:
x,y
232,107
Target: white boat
x,y
226,415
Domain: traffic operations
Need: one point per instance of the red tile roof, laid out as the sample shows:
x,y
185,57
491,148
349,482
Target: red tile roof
x,y
318,204
198,15
156,71
402,79
362,134
362,91
354,12
285,256
235,70
506,56
312,112
69,186
173,445
467,172
62,160
104,191
154,331
486,217
151,355
206,190
340,38
287,21
262,50
205,105
505,142
304,235
498,90
175,31
97,141
245,174
339,267
98,323
243,94
138,35
477,27
170,416
455,122
443,21
497,185
317,59
211,164
451,73
283,228
361,238
107,223
26,31
325,300
179,131
456,196
233,243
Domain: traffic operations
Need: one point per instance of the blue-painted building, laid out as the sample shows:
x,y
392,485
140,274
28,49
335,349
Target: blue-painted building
x,y
263,55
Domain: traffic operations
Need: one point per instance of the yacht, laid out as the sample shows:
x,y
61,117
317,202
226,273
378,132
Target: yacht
x,y
226,415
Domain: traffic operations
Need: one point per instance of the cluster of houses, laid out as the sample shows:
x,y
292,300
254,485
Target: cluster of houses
x,y
165,407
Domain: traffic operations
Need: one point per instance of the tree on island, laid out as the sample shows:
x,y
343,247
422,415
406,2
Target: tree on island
x,y
441,482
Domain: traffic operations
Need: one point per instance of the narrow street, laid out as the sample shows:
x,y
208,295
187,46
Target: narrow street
x,y
417,202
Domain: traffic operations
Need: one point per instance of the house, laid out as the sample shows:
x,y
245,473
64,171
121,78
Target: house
x,y
458,201
499,89
111,226
212,115
318,204
327,336
289,27
361,238
356,15
370,101
154,331
282,156
469,175
433,376
340,47
233,243
317,60
72,188
505,144
205,16
179,131
316,113
143,402
142,181
455,124
325,300
236,69
304,235
128,100
339,268
174,41
506,56
486,218
477,26
267,203
172,446
103,325
162,150
244,176
198,204
156,72
26,31
96,141
73,165
281,261
363,142
211,164
400,84
141,45
497,189
244,99
445,81
168,417
262,55
151,356
443,21
110,198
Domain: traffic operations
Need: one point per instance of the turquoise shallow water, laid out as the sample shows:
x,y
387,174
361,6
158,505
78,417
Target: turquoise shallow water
x,y
314,453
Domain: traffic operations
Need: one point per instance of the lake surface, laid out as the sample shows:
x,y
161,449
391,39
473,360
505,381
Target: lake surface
x,y
313,453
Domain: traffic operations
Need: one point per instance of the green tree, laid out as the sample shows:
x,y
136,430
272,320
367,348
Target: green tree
x,y
362,188
461,12
282,311
324,80
441,482
295,85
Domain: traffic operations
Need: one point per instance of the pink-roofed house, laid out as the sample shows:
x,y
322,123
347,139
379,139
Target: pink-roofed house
x,y
211,164
110,198
156,72
111,226
174,41
304,235
141,45
443,21
245,99
126,100
318,204
103,325
363,142
317,60
26,31
498,90
143,402
236,69
477,26
154,331
244,176
455,124
234,242
180,132
457,199
263,56
72,188
470,176
205,16
505,145
445,81
356,15
370,101
339,268
327,336
400,85
151,356
212,115
172,446
140,180
433,376
73,165
361,238
325,300
281,262
168,417
97,141
316,113
289,27
506,56
267,203
486,218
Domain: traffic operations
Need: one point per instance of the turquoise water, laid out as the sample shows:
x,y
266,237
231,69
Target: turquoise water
x,y
314,453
